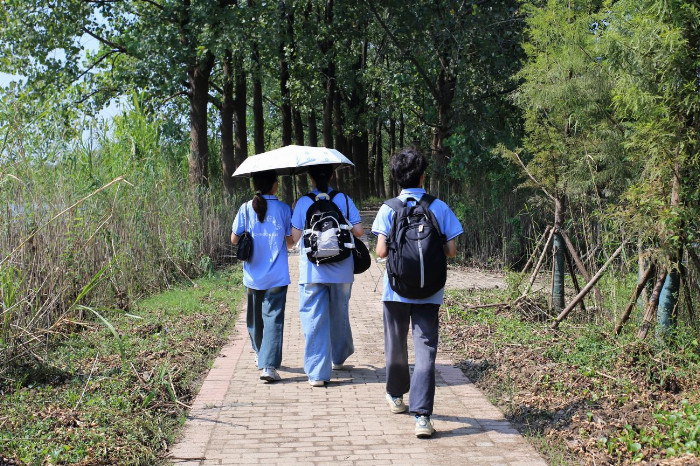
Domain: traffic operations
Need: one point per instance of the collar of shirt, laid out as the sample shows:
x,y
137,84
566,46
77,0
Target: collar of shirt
x,y
412,191
330,190
269,196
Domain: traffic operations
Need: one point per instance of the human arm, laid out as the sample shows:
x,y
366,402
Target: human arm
x,y
450,248
234,238
381,249
358,230
290,240
296,234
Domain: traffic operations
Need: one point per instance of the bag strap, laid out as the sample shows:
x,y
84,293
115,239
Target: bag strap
x,y
395,204
245,217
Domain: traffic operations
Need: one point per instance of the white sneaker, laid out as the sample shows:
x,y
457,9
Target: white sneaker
x,y
317,383
396,404
269,374
424,428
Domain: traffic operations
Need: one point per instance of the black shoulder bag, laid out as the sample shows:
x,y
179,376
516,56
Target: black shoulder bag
x,y
245,241
361,260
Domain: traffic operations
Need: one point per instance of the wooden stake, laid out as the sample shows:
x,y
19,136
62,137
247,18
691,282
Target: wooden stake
x,y
539,264
534,251
587,288
652,306
582,269
572,272
633,299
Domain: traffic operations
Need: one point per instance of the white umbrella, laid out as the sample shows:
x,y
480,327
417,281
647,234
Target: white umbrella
x,y
290,160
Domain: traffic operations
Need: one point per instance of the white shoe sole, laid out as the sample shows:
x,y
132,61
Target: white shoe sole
x,y
317,383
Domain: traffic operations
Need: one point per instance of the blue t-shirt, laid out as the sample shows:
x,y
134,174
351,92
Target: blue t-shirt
x,y
336,272
449,226
268,266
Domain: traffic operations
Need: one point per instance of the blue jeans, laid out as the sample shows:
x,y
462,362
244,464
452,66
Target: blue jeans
x,y
423,318
325,321
265,322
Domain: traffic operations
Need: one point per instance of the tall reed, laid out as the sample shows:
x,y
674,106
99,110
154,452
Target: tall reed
x,y
73,204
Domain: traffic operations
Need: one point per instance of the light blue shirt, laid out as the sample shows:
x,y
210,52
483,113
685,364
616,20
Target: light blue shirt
x,y
268,266
335,272
449,226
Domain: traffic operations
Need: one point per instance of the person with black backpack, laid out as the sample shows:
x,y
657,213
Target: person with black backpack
x,y
416,233
327,222
267,223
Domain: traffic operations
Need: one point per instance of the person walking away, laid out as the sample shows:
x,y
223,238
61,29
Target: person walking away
x,y
413,299
325,283
266,272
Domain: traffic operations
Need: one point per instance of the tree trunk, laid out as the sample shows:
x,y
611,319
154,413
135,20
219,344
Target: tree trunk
x,y
558,251
446,92
240,118
302,184
258,115
198,160
379,163
313,131
392,151
668,298
227,107
286,187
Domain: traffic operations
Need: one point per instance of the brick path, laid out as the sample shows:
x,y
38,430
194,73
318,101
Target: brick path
x,y
238,419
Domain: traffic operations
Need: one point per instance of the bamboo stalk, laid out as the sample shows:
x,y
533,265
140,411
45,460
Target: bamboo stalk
x,y
635,295
587,288
534,250
652,306
582,269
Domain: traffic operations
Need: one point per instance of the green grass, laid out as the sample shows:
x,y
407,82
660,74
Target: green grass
x,y
89,404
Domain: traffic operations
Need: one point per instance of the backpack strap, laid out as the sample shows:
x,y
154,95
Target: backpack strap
x,y
395,204
426,199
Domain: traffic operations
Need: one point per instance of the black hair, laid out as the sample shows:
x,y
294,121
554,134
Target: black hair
x,y
321,175
407,166
263,183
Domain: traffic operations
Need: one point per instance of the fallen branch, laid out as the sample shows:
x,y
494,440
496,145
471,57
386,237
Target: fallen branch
x,y
483,306
582,269
534,250
652,306
587,288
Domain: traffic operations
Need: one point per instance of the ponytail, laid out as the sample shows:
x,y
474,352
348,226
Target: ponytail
x,y
321,175
263,183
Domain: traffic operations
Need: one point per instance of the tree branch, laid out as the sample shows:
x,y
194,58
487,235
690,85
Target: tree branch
x,y
530,175
107,42
428,82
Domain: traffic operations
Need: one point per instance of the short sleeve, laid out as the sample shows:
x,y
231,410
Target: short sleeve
x,y
382,222
449,222
353,214
287,220
299,215
238,226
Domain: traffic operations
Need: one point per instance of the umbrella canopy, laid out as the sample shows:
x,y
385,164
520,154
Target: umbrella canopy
x,y
290,160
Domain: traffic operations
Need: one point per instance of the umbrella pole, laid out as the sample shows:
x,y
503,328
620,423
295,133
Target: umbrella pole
x,y
294,184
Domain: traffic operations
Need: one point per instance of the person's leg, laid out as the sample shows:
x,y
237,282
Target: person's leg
x,y
315,324
270,354
424,319
254,320
396,320
341,334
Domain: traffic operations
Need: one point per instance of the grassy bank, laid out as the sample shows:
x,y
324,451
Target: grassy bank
x,y
115,393
579,394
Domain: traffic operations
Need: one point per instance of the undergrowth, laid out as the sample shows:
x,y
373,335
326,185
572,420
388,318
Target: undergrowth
x,y
90,404
579,393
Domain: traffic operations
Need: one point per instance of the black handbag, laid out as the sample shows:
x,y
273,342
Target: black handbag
x,y
245,241
361,260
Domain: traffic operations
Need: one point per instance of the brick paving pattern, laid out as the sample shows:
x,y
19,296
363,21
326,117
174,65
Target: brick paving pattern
x,y
239,419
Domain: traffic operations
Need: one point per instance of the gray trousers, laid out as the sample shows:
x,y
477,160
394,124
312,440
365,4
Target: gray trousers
x,y
423,319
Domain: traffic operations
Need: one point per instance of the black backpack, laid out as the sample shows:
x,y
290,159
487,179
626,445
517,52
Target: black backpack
x,y
417,265
327,236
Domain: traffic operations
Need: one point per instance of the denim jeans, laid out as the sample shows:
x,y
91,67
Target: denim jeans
x,y
265,321
424,322
325,321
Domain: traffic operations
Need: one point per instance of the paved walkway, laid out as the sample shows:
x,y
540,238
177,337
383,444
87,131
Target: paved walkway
x,y
238,419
